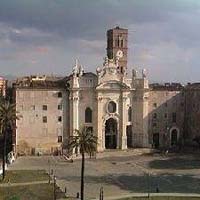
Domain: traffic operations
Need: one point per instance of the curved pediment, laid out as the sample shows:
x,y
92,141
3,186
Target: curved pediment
x,y
115,85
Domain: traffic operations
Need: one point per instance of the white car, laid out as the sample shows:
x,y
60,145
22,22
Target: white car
x,y
11,158
1,168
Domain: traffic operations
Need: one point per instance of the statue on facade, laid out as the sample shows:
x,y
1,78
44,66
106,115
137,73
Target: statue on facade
x,y
134,73
77,69
144,73
106,60
81,71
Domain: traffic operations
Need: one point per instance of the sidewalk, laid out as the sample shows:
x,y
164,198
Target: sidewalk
x,y
151,195
22,184
114,153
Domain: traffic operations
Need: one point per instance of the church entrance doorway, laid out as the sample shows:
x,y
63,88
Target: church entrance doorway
x,y
174,137
111,134
156,140
129,136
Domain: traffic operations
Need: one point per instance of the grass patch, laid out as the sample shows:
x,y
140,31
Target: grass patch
x,y
30,192
22,176
162,198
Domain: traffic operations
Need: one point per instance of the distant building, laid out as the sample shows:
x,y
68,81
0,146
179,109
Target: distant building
x,y
41,103
192,109
3,86
122,111
166,114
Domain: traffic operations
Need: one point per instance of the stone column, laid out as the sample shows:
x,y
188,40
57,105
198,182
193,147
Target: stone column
x,y
74,111
124,122
100,130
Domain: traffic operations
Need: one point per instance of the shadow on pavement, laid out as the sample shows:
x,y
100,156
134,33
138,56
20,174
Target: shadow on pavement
x,y
175,163
165,183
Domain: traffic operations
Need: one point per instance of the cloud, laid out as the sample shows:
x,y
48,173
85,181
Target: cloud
x,y
42,50
46,36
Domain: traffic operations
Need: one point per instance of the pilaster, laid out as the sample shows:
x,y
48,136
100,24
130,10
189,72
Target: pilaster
x,y
124,122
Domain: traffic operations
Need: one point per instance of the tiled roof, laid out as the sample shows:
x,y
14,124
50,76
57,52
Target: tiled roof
x,y
166,86
46,83
193,86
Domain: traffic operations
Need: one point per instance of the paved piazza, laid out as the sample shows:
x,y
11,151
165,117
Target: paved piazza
x,y
122,173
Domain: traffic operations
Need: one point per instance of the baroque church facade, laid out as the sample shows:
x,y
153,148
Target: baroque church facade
x,y
122,111
108,98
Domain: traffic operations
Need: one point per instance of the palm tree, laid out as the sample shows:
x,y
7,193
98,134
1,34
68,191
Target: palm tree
x,y
7,123
86,142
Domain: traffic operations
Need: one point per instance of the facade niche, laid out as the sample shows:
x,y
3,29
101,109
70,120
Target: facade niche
x,y
112,107
88,115
129,114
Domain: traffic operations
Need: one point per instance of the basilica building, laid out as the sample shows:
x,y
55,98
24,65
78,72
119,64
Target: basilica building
x,y
122,110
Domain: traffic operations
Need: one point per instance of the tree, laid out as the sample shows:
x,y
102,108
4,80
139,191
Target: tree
x,y
86,142
7,124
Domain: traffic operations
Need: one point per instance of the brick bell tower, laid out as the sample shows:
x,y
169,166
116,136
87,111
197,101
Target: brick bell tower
x,y
117,44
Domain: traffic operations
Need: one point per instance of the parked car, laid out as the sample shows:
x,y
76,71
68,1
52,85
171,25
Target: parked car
x,y
10,157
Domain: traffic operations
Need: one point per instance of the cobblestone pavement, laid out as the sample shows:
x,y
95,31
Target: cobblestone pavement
x,y
122,173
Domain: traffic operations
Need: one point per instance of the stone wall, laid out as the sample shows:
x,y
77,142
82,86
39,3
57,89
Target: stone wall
x,y
43,122
164,105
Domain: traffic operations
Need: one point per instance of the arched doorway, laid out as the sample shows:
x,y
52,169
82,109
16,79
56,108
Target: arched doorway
x,y
174,137
111,134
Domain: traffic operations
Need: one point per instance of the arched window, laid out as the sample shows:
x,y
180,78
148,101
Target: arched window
x,y
155,115
59,94
112,107
129,114
122,43
88,115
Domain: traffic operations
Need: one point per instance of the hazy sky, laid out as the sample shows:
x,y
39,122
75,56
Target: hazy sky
x,y
45,36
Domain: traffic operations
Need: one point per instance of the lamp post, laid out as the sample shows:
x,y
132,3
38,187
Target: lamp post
x,y
54,188
49,171
101,194
148,181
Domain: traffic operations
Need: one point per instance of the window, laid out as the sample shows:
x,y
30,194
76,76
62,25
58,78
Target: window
x,y
166,105
165,115
129,114
155,105
122,43
117,43
155,115
44,119
59,139
44,107
122,69
60,107
174,117
112,107
60,118
59,94
88,115
174,137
